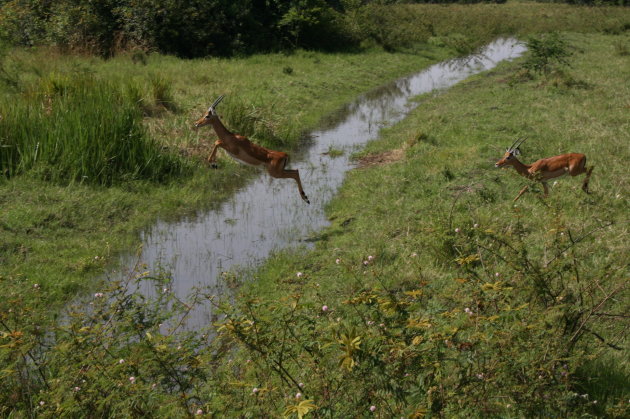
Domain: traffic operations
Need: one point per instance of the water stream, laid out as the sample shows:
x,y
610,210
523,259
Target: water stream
x,y
268,214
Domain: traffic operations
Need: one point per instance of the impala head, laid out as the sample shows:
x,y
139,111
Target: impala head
x,y
210,114
510,154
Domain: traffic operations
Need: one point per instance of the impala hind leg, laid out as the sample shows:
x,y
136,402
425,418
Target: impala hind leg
x,y
587,179
546,189
277,170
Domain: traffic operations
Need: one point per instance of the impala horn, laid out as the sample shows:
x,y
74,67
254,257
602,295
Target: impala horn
x,y
216,102
516,144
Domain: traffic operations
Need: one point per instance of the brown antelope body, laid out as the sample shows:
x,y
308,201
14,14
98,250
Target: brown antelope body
x,y
548,168
244,151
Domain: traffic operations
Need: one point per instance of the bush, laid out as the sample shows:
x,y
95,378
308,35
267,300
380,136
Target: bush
x,y
184,28
392,28
108,358
502,331
500,334
545,52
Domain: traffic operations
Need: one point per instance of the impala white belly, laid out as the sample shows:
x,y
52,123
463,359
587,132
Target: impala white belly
x,y
243,158
555,174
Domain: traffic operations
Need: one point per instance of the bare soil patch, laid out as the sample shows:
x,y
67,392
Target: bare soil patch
x,y
386,157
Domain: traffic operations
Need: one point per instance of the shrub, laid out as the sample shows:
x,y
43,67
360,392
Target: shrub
x,y
500,333
545,52
392,28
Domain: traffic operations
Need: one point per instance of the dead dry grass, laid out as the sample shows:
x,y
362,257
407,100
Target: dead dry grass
x,y
386,157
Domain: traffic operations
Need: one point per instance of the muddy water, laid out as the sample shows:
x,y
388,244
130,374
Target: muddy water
x,y
268,214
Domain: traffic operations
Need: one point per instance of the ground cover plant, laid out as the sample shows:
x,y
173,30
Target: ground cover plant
x,y
415,292
50,233
271,98
442,297
88,132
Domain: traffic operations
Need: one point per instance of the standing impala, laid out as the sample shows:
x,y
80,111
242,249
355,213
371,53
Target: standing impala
x,y
544,169
244,151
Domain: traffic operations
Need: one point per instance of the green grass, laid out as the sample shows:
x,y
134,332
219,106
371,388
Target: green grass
x,y
557,259
81,130
544,280
52,231
465,27
270,106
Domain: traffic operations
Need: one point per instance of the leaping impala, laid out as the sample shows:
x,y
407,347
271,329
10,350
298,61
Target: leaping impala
x,y
244,151
544,169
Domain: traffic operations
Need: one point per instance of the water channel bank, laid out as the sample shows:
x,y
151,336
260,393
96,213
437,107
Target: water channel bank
x,y
268,215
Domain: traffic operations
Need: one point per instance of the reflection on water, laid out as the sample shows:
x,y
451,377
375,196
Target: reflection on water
x,y
268,214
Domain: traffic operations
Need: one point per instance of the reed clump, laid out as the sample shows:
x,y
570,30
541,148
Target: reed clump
x,y
80,129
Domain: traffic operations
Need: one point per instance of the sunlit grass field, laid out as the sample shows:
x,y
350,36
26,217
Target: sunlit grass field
x,y
428,270
152,157
421,244
82,186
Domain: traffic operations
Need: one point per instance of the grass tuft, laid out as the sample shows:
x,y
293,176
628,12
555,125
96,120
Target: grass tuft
x,y
80,130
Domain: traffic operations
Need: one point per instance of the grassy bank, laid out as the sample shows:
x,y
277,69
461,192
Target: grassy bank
x,y
58,231
432,292
466,26
270,98
467,306
439,297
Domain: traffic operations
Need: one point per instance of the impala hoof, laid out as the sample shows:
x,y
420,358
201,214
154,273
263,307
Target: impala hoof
x,y
305,198
214,165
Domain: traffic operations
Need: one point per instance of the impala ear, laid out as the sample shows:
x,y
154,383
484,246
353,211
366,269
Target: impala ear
x,y
517,151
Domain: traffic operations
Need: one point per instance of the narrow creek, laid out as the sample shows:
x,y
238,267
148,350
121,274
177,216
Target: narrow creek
x,y
268,215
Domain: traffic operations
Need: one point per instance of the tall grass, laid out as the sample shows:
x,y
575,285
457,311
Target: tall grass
x,y
430,327
256,120
444,298
465,27
79,129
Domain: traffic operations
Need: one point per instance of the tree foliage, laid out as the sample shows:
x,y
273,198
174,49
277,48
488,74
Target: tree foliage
x,y
186,28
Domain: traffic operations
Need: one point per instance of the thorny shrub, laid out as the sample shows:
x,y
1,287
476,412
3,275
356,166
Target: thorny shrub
x,y
504,329
545,52
502,334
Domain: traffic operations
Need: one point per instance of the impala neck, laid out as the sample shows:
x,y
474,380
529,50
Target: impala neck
x,y
522,169
220,129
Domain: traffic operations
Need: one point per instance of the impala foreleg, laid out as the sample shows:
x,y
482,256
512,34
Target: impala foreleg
x,y
521,193
295,174
213,155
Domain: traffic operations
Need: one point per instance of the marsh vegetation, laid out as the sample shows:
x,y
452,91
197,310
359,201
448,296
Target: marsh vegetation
x,y
438,298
